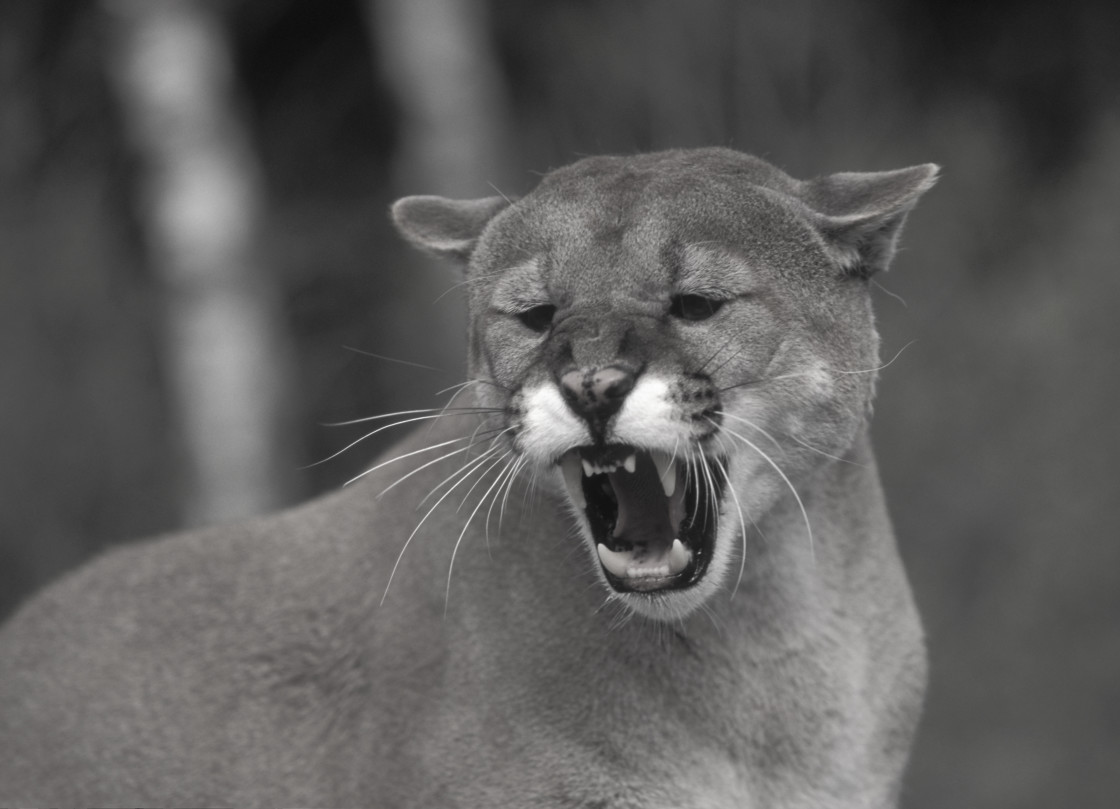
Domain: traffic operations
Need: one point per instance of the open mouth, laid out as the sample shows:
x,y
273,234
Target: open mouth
x,y
653,517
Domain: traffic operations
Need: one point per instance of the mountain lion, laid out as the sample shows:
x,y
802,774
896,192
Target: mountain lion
x,y
640,559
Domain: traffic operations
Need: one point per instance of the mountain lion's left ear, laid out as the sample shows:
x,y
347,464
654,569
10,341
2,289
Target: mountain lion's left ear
x,y
861,215
446,227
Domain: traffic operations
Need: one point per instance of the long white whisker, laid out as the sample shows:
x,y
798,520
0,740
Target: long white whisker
x,y
778,469
517,467
406,455
436,411
713,505
458,386
465,469
511,470
463,533
472,382
848,372
791,436
372,433
435,505
752,425
394,359
437,460
742,525
482,477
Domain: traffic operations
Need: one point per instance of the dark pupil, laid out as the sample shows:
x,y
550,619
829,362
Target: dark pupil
x,y
538,318
694,307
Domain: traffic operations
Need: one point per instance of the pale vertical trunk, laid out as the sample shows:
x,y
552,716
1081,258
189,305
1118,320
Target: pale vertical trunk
x,y
439,59
200,209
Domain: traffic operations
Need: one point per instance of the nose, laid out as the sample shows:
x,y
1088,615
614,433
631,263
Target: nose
x,y
596,394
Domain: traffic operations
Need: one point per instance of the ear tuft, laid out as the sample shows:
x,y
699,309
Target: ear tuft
x,y
445,227
861,215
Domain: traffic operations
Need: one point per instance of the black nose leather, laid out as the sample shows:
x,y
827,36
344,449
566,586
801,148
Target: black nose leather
x,y
596,394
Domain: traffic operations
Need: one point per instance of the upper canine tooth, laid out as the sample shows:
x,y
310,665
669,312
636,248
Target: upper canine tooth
x,y
614,561
588,469
630,464
572,480
666,472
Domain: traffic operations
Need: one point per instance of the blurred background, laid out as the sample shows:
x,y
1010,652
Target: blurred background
x,y
197,273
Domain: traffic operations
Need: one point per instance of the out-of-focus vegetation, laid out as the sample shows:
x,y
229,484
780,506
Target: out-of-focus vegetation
x,y
995,427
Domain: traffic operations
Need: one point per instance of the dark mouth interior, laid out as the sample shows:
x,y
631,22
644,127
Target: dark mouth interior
x,y
637,504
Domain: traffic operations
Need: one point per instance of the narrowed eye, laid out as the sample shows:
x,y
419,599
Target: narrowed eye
x,y
693,307
539,318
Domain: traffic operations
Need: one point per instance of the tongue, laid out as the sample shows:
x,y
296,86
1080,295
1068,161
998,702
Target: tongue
x,y
643,509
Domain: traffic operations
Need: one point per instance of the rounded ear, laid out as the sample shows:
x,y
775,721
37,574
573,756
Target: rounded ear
x,y
445,227
861,215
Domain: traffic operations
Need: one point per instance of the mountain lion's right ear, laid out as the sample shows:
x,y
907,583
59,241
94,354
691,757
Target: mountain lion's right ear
x,y
861,215
445,227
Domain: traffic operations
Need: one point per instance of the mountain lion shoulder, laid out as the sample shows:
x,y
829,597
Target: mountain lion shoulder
x,y
640,559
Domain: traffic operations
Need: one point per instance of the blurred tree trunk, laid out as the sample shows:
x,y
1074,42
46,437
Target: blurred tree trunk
x,y
454,127
199,208
439,59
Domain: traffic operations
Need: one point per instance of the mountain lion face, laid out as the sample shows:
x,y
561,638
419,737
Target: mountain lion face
x,y
675,342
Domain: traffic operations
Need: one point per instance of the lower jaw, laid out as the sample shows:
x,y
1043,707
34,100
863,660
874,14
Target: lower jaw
x,y
681,568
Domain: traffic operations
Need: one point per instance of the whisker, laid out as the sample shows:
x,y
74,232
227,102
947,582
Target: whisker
x,y
760,380
732,356
465,469
778,469
745,384
421,468
424,519
510,472
466,525
500,192
435,411
849,372
381,429
713,505
457,387
894,295
425,465
406,455
394,359
482,477
474,279
717,352
742,525
790,436
884,365
753,426
517,467
530,492
489,382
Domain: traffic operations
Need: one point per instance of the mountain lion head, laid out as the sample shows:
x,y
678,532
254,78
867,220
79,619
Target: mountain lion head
x,y
674,343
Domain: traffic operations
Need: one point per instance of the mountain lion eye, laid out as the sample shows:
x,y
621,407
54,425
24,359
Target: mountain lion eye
x,y
539,318
693,307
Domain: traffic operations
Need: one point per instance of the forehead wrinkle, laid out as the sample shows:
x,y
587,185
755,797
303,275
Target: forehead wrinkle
x,y
520,285
712,266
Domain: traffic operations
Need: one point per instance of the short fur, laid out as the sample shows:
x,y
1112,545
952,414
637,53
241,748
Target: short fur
x,y
274,663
